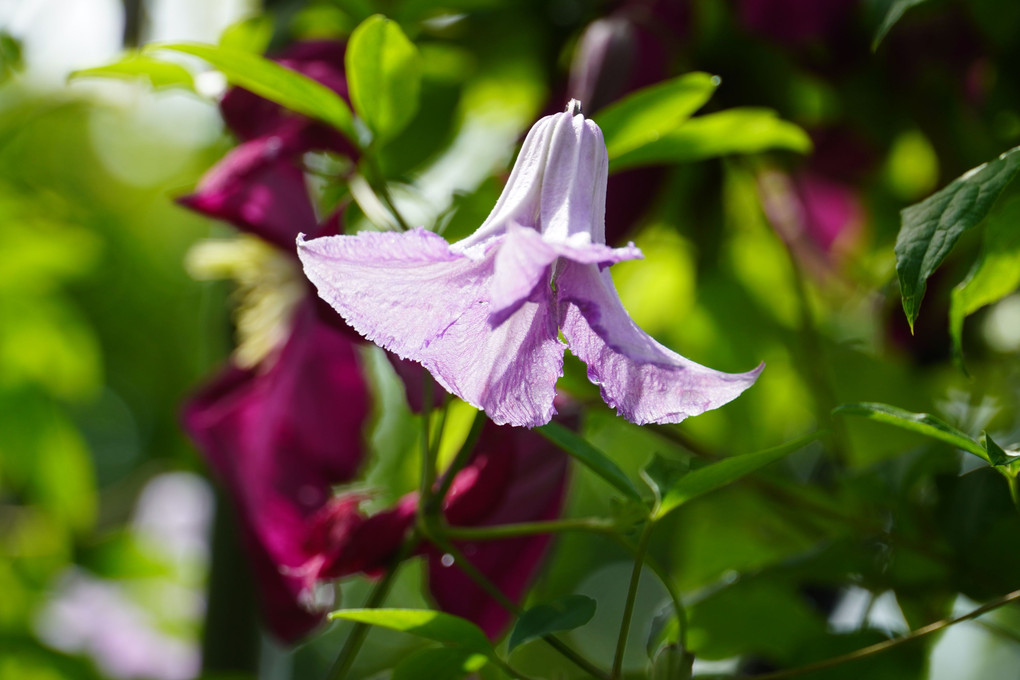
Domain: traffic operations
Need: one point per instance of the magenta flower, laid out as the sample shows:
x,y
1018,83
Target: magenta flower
x,y
515,476
483,315
283,422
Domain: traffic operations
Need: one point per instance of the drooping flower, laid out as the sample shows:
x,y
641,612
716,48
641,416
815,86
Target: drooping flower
x,y
483,315
515,476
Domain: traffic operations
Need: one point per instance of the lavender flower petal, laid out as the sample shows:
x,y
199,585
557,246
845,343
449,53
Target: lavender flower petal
x,y
413,295
644,381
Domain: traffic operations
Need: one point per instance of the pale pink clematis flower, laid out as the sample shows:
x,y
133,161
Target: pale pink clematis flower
x,y
483,315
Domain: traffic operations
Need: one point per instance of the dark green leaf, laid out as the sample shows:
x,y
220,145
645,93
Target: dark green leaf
x,y
711,477
661,473
565,613
431,625
922,423
442,663
930,229
647,114
591,457
896,10
160,74
735,131
995,274
268,79
995,453
248,35
384,75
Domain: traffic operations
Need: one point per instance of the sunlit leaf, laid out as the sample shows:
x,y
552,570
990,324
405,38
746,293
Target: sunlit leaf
x,y
716,475
995,274
384,75
930,229
565,613
439,663
922,423
248,35
735,131
160,74
652,112
425,623
896,10
277,83
591,457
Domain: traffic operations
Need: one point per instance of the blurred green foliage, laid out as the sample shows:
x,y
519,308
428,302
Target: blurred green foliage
x,y
102,333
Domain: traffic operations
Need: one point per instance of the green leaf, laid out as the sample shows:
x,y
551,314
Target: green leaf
x,y
248,35
652,112
384,75
995,275
160,74
896,10
995,453
735,131
661,473
277,83
564,613
922,423
930,229
450,630
439,663
716,475
591,457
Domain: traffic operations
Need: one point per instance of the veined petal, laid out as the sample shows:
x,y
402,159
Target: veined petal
x,y
523,260
410,293
644,381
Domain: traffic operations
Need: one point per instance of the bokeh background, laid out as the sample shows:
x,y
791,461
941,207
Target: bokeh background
x,y
118,558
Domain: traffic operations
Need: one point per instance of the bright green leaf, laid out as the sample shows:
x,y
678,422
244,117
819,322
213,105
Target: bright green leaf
x,y
654,111
591,457
431,625
564,613
896,10
160,74
995,275
716,475
922,423
277,83
930,229
439,663
248,35
384,75
735,131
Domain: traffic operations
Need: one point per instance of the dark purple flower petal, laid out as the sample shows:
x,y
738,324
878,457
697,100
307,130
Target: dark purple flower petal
x,y
259,188
278,437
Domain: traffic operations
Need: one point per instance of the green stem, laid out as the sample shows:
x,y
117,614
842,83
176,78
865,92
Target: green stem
x,y
1014,490
428,462
358,633
383,190
595,525
663,576
628,608
880,647
432,505
496,594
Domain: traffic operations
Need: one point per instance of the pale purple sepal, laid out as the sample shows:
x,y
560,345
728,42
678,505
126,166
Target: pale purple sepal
x,y
413,295
644,381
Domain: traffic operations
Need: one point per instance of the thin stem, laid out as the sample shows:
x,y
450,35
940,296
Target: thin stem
x,y
384,191
667,582
890,644
428,462
628,608
1014,490
432,504
472,572
595,525
358,633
